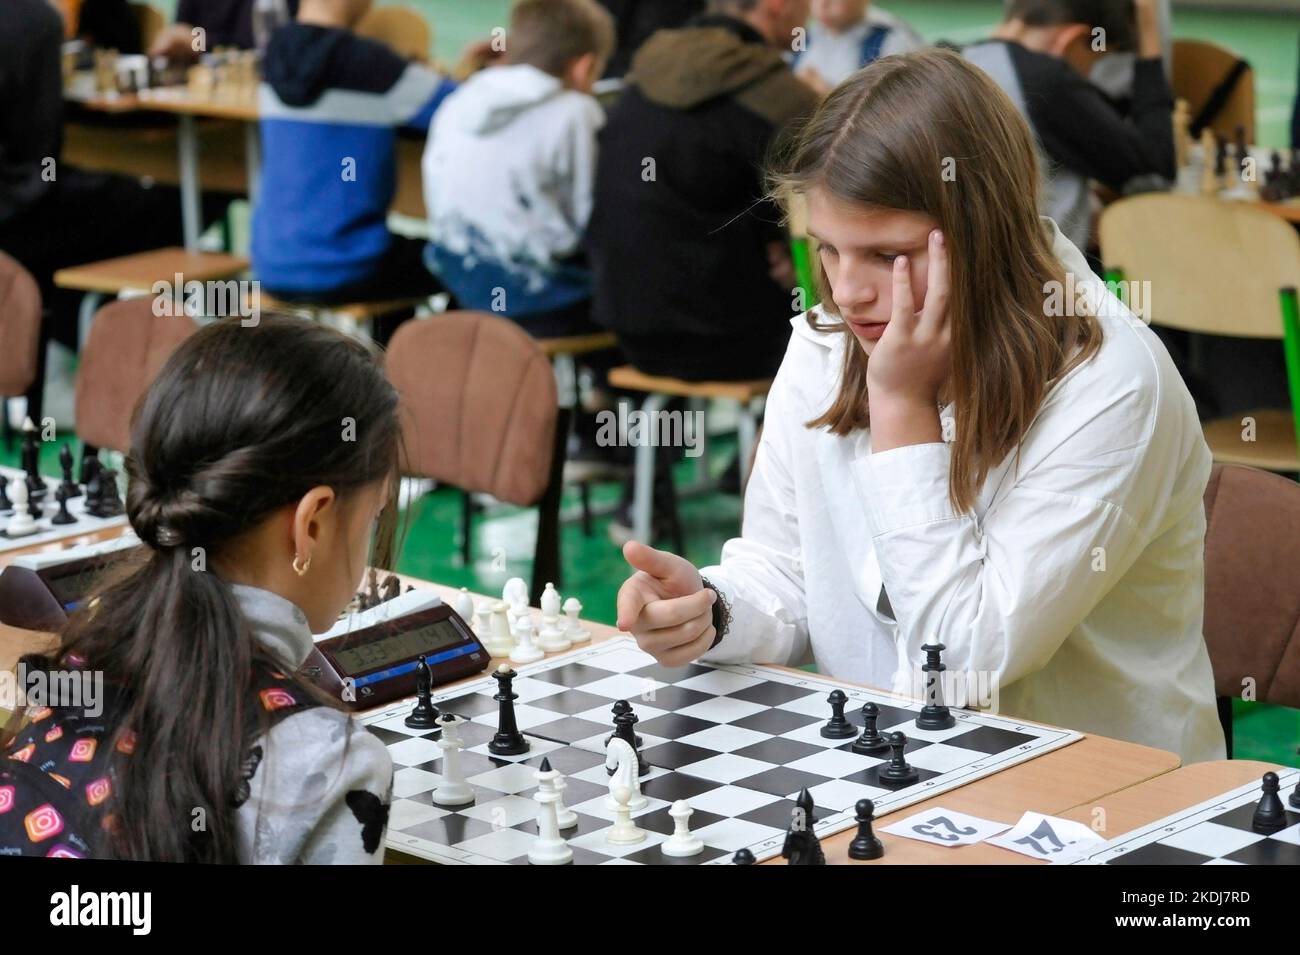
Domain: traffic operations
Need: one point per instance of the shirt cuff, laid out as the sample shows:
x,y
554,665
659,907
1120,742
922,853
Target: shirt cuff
x,y
906,486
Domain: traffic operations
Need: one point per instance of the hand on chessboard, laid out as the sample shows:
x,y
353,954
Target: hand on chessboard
x,y
665,605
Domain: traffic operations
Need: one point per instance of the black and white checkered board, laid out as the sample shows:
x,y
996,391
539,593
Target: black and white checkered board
x,y
1215,832
737,742
47,532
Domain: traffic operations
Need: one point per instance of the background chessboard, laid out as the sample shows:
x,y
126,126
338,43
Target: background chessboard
x,y
48,532
737,742
1215,832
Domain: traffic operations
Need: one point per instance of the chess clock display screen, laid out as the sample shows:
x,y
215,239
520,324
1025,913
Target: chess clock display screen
x,y
396,647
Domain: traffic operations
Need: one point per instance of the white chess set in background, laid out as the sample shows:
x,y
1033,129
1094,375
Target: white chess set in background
x,y
505,627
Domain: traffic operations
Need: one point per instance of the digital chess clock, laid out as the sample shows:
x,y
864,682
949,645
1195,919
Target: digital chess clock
x,y
368,659
39,591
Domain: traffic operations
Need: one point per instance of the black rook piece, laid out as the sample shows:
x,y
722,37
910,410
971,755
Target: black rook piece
x,y
865,845
898,772
934,715
1270,814
838,727
508,741
425,714
624,722
620,707
871,741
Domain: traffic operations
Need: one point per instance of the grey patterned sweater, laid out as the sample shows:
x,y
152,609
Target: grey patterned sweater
x,y
321,783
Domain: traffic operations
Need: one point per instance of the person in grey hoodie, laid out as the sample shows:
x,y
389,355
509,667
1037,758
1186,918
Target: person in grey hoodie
x,y
509,166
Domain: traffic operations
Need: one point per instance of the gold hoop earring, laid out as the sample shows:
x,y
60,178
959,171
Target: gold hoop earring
x,y
301,571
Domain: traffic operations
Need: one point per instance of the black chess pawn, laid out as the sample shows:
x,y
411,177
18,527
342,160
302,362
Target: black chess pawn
x,y
897,772
425,715
620,707
934,715
801,844
872,740
1294,798
624,724
63,517
1270,814
742,857
65,465
865,845
508,741
838,727
110,502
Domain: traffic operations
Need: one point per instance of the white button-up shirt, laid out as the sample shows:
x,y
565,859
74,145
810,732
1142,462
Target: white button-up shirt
x,y
1071,594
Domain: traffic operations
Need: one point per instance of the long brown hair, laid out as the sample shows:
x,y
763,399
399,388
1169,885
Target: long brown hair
x,y
240,422
928,132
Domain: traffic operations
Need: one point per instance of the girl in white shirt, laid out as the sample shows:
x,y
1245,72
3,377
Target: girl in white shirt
x,y
970,441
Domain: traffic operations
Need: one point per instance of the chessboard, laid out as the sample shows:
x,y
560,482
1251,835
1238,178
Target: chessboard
x,y
1215,832
46,531
736,742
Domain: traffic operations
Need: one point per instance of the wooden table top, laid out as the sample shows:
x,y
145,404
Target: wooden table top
x,y
1071,779
143,269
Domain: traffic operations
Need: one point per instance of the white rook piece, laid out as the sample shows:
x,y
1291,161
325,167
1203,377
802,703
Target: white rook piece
x,y
453,791
498,640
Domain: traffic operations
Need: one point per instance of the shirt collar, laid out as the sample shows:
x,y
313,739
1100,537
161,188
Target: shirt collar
x,y
277,624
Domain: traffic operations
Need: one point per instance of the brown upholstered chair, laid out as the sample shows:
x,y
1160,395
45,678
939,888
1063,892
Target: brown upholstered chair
x,y
20,332
1204,70
480,412
1252,586
124,352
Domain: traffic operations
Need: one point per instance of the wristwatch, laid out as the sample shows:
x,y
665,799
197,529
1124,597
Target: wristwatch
x,y
721,614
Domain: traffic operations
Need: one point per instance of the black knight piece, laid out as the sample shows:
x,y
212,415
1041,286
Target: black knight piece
x,y
865,844
934,715
1270,814
871,741
425,714
838,727
898,772
110,503
801,844
508,741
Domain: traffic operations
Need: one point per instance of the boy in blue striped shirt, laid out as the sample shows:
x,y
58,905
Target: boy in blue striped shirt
x,y
332,105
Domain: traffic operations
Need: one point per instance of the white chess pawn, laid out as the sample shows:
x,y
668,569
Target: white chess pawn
x,y
682,842
575,631
525,650
550,847
453,790
464,606
483,619
498,640
624,832
550,605
22,524
553,637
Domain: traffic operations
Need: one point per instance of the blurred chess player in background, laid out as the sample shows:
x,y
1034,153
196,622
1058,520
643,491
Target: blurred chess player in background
x,y
224,22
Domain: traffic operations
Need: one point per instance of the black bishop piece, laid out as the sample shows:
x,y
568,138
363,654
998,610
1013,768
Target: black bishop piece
x,y
801,844
425,715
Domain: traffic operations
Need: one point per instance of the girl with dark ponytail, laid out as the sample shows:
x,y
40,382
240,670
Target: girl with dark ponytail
x,y
261,460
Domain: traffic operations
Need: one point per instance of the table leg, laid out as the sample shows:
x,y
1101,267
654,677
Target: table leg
x,y
253,156
188,147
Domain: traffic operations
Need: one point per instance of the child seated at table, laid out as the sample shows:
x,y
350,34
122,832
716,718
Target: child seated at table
x,y
509,170
331,104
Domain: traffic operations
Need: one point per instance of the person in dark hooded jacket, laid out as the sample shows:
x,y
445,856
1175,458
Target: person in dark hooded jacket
x,y
690,262
331,105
